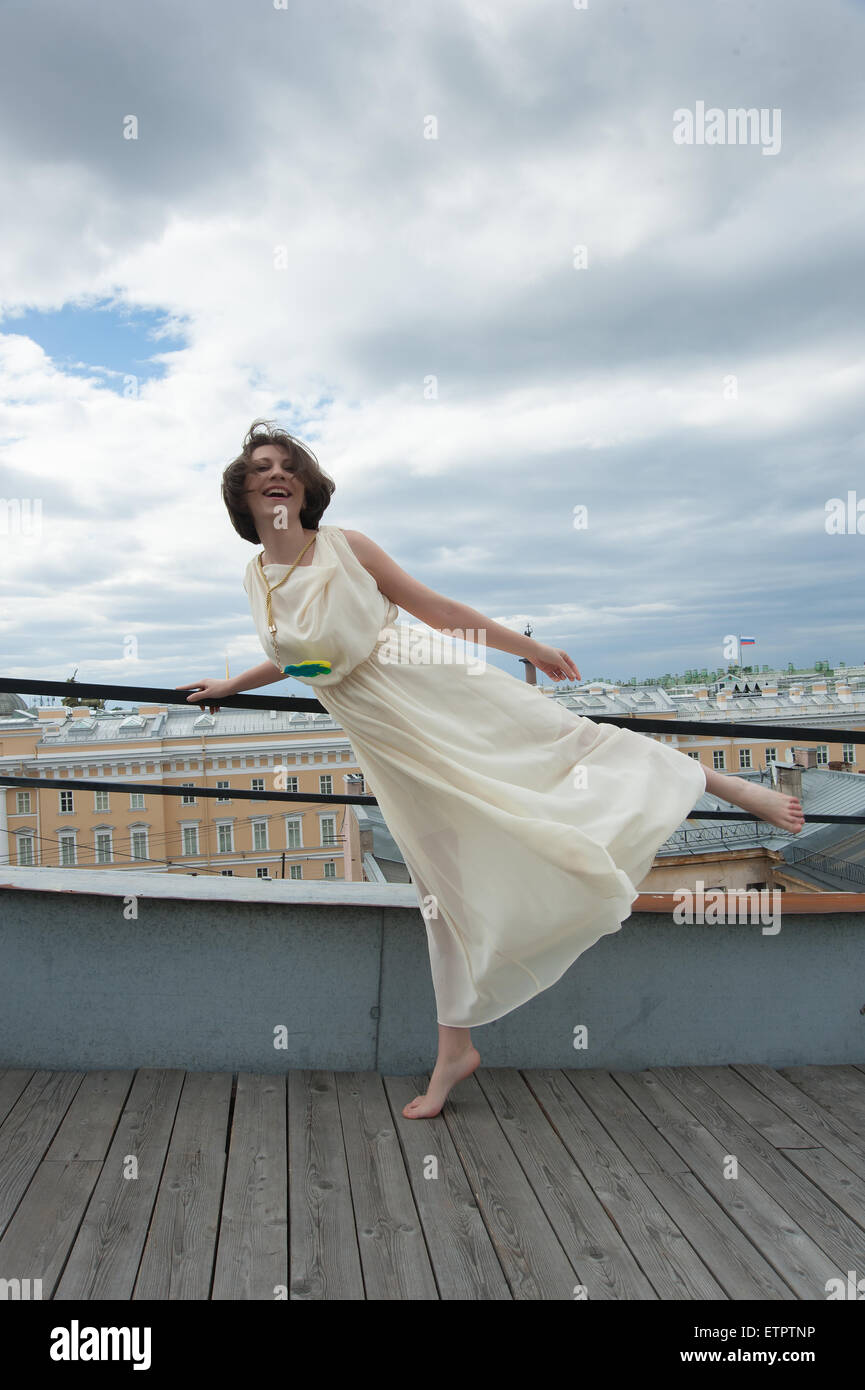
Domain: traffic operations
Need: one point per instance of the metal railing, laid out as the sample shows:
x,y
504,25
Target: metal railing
x,y
157,695
822,863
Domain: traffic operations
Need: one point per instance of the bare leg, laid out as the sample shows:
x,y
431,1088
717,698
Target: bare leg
x,y
457,1059
776,807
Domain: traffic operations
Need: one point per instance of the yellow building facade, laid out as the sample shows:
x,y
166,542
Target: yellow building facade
x,y
186,833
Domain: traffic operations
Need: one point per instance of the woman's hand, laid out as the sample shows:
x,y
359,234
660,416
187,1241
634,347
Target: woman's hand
x,y
207,689
553,662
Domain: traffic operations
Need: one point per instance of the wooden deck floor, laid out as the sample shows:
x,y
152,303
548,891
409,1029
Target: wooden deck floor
x,y
531,1185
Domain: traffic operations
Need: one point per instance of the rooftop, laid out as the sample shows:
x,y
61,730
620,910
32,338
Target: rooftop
x,y
549,1182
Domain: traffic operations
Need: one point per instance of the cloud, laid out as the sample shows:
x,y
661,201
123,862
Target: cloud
x,y
412,307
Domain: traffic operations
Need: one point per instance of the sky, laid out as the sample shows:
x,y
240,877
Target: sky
x,y
469,253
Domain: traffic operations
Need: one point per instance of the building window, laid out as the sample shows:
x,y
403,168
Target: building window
x,y
257,784
291,784
328,830
719,760
329,869
262,873
190,839
259,834
103,847
695,756
136,801
225,844
294,871
771,756
66,806
225,787
848,752
101,801
325,784
744,757
25,849
139,844
22,801
67,849
227,873
822,753
292,834
186,799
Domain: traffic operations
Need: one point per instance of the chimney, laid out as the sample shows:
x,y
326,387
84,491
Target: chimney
x,y
770,690
702,692
787,779
722,698
819,687
842,690
795,693
805,757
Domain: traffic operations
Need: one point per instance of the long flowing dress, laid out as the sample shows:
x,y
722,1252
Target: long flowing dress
x,y
523,825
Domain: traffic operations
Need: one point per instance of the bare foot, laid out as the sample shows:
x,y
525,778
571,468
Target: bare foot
x,y
446,1074
775,807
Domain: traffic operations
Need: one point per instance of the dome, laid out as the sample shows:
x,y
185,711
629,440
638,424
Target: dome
x,y
10,703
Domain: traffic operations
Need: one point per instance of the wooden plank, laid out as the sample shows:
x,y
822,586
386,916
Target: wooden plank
x,y
252,1248
800,1259
775,1125
605,1267
673,1269
737,1265
826,1223
392,1250
839,1090
529,1251
829,1132
843,1188
103,1263
89,1123
13,1083
464,1262
324,1259
37,1240
180,1250
646,1150
28,1130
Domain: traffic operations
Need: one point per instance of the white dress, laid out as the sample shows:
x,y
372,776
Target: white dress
x,y
524,826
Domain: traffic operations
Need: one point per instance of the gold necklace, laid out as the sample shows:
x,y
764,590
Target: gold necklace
x,y
271,625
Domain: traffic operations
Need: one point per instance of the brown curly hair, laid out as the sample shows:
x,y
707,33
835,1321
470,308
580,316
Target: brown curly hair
x,y
317,485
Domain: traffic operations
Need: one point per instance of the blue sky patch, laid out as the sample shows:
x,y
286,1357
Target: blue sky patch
x,y
106,339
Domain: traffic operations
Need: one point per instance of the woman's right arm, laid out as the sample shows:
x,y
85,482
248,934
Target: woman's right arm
x,y
207,689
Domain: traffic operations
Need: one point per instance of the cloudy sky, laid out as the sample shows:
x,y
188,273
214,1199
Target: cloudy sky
x,y
467,251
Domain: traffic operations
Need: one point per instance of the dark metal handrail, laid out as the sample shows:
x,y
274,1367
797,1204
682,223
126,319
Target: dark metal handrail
x,y
157,695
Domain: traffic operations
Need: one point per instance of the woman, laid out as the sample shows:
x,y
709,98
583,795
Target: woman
x,y
523,825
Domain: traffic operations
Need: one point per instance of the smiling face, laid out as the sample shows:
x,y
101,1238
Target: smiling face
x,y
274,493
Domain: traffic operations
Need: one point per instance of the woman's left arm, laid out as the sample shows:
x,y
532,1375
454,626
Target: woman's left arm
x,y
447,615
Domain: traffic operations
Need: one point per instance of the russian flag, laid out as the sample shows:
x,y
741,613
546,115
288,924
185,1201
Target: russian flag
x,y
746,641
